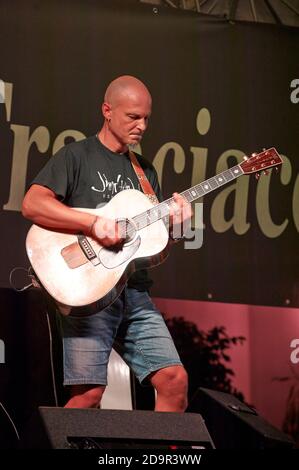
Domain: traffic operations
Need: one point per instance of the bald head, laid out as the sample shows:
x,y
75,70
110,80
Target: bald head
x,y
126,109
125,86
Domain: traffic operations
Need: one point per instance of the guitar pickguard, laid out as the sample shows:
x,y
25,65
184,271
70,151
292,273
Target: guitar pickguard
x,y
111,259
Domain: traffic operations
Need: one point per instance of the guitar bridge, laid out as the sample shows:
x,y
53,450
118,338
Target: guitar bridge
x,y
88,250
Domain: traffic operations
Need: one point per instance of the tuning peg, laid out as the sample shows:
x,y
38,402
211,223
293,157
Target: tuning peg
x,y
257,175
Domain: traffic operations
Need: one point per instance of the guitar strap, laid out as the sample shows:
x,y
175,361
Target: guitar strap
x,y
143,181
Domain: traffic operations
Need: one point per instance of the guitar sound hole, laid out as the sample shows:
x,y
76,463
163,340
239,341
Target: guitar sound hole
x,y
128,228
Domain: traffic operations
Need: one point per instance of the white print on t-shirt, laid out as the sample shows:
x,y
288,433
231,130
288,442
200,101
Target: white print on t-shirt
x,y
113,187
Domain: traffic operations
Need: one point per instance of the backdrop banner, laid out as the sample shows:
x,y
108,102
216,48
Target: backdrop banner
x,y
220,90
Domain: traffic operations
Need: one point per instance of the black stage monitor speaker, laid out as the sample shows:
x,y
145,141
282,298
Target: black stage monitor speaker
x,y
234,425
65,428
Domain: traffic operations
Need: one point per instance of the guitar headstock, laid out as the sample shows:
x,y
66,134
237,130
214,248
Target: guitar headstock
x,y
261,161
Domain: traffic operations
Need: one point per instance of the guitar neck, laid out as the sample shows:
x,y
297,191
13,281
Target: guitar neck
x,y
209,185
162,210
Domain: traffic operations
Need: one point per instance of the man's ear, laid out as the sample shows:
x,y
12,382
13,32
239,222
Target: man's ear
x,y
106,110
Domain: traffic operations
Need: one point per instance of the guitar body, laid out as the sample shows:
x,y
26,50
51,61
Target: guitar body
x,y
72,279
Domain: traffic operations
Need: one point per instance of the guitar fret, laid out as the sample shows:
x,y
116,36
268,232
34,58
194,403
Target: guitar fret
x,y
194,192
221,179
199,190
228,175
154,214
213,183
188,195
237,171
205,187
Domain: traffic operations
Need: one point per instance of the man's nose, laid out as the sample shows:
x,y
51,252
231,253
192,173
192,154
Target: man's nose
x,y
142,124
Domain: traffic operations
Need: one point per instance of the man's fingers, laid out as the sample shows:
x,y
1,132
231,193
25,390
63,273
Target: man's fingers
x,y
108,232
180,209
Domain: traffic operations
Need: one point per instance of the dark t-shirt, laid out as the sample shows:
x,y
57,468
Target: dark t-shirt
x,y
87,174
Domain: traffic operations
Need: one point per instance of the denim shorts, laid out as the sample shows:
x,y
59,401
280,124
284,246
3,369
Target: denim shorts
x,y
132,325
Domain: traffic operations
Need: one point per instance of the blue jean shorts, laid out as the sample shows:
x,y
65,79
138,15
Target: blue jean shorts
x,y
132,324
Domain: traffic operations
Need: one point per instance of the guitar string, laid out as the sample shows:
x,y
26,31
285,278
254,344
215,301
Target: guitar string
x,y
145,218
219,179
127,229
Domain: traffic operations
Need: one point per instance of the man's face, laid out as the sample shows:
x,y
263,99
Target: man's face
x,y
129,117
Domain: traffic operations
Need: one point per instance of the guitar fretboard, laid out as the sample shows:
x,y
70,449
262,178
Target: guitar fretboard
x,y
162,210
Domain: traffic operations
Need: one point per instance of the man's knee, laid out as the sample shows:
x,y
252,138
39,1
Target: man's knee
x,y
177,376
172,378
171,384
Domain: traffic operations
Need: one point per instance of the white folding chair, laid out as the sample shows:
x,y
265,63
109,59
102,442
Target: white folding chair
x,y
118,393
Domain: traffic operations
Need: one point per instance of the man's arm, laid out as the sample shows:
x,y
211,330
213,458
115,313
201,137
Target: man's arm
x,y
42,207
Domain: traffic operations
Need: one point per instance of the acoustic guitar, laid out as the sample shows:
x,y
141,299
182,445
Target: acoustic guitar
x,y
76,270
